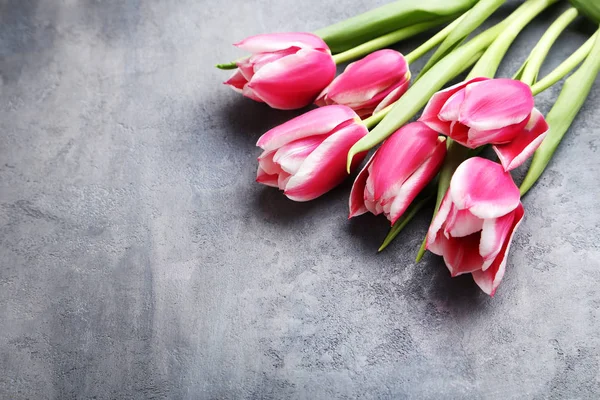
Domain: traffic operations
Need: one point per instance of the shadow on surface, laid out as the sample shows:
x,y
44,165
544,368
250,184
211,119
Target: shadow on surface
x,y
246,120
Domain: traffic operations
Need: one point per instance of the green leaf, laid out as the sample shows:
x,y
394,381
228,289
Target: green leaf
x,y
400,14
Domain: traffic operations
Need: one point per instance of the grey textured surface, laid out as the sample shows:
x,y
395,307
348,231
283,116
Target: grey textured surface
x,y
139,259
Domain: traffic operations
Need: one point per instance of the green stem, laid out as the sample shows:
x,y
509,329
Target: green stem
x,y
446,69
475,17
490,61
434,41
528,73
395,15
454,157
572,96
383,41
567,66
408,215
421,91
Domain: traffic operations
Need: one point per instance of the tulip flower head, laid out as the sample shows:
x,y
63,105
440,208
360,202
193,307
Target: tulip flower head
x,y
286,70
370,84
483,111
397,172
306,156
476,221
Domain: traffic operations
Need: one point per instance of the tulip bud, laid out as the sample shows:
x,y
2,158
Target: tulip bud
x,y
286,70
489,111
370,84
306,156
476,222
397,172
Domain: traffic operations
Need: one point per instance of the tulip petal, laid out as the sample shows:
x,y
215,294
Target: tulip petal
x,y
258,61
246,68
320,121
435,238
515,153
496,103
392,96
364,79
489,279
294,81
493,236
437,101
461,255
283,179
279,41
249,93
412,186
325,167
291,156
357,193
484,188
236,81
399,157
265,161
451,108
461,223
266,179
459,133
496,136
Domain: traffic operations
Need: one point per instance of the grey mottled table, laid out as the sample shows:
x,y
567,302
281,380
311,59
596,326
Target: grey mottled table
x,y
139,259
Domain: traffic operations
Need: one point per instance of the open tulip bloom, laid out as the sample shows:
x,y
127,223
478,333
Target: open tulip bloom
x,y
286,70
397,172
478,204
370,84
476,222
484,111
306,156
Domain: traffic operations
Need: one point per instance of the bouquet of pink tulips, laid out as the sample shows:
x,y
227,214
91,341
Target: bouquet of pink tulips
x,y
373,101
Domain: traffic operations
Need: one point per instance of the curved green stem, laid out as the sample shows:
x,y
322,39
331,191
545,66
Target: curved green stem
x,y
572,96
434,41
408,215
567,66
383,41
473,18
490,61
528,73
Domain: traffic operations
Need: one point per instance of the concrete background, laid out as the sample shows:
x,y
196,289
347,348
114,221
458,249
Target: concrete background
x,y
139,259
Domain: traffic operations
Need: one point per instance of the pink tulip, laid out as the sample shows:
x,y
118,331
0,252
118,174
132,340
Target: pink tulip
x,y
286,70
397,172
370,84
476,222
489,111
306,156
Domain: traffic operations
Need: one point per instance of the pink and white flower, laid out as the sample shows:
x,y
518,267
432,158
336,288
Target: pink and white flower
x,y
403,165
370,84
286,70
476,222
306,156
483,111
